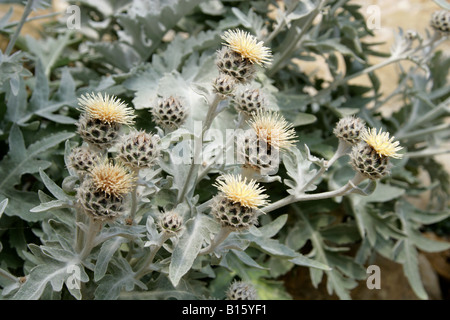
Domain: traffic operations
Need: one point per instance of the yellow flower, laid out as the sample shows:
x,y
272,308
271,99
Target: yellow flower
x,y
248,195
112,179
381,143
247,46
106,108
273,129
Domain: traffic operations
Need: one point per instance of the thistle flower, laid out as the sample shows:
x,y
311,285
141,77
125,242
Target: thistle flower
x,y
102,193
371,156
234,65
107,109
381,143
365,160
102,117
235,206
236,189
247,47
112,179
240,290
258,155
349,129
273,129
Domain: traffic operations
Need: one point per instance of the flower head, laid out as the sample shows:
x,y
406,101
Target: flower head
x,y
349,129
112,179
171,222
107,109
381,143
273,128
241,290
247,46
440,21
247,194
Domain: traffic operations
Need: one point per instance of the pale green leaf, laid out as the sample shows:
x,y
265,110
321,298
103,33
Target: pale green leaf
x,y
188,247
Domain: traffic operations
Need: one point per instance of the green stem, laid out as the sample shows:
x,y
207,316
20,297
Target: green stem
x,y
193,170
12,42
79,235
441,109
422,132
134,199
44,16
5,274
342,150
347,188
429,152
149,260
93,229
218,239
292,45
204,205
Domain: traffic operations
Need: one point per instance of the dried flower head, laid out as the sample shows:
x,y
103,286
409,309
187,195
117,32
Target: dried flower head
x,y
112,179
171,222
107,109
273,128
381,143
247,194
349,129
170,113
240,290
365,160
81,159
440,21
249,100
247,46
97,204
138,149
224,84
234,65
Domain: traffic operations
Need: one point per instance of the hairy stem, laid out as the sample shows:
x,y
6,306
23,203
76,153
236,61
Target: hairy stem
x,y
149,259
23,19
94,228
5,274
218,239
193,170
347,188
79,235
342,150
134,199
292,45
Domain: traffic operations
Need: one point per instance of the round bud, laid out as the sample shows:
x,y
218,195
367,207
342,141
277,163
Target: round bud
x,y
249,101
365,160
169,113
224,84
171,222
233,215
440,21
138,149
234,65
98,204
240,290
81,160
349,129
97,133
